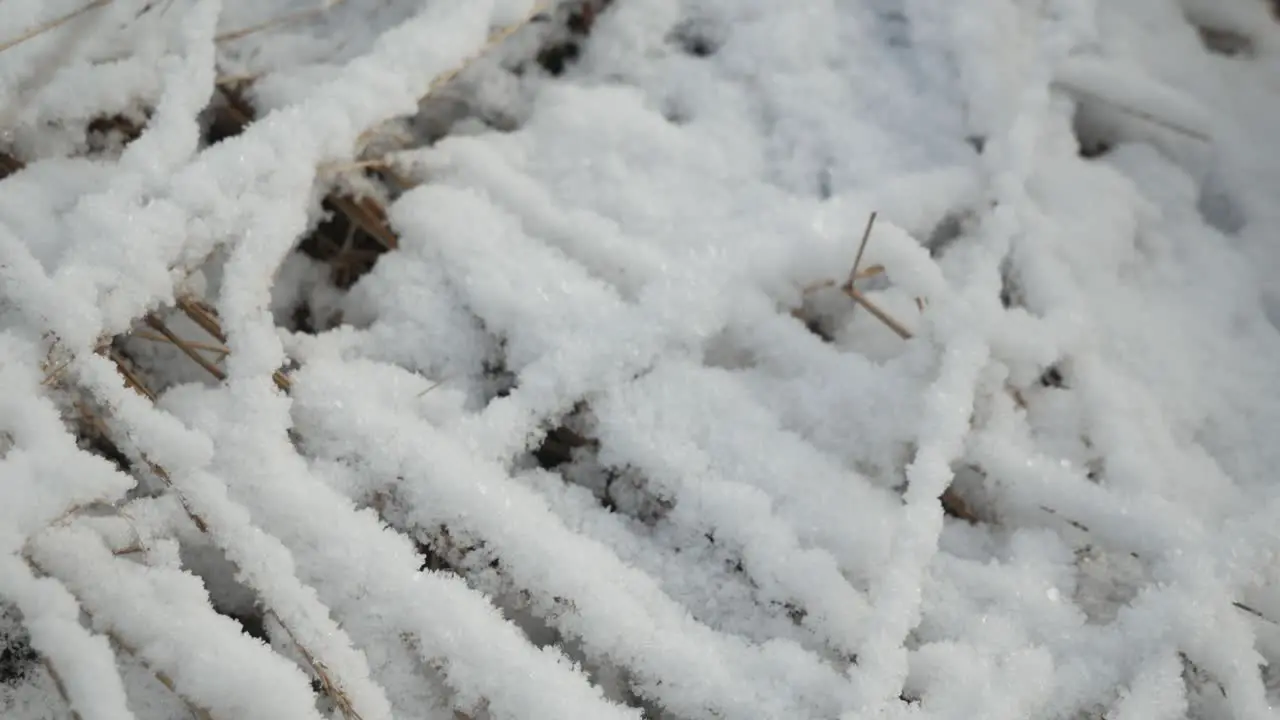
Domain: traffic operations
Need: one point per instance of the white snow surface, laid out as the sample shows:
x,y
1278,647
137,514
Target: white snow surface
x,y
1077,230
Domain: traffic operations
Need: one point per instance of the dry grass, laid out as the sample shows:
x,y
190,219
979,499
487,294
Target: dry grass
x,y
53,24
953,503
367,234
351,243
1139,113
331,686
856,274
277,22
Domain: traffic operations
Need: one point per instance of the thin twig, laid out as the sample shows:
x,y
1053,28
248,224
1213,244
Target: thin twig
x,y
163,475
1254,613
331,688
207,347
386,165
158,325
61,688
277,21
199,712
862,247
1135,112
369,216
1083,528
151,6
870,272
1018,398
228,80
203,317
52,24
57,372
857,296
494,39
131,378
879,313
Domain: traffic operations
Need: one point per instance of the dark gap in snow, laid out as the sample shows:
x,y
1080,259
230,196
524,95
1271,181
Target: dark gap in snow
x,y
302,321
17,657
572,450
228,596
354,231
16,660
437,547
894,27
499,380
675,113
104,136
253,624
964,499
1224,35
110,135
431,560
491,94
567,438
1094,149
564,47
628,492
228,114
345,239
1218,208
947,231
825,183
99,444
1010,292
796,613
558,447
825,309
583,18
1094,470
696,37
1095,134
556,58
1226,42
84,418
1053,378
617,682
9,164
815,325
448,111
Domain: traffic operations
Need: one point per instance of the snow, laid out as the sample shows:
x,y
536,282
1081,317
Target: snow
x,y
609,427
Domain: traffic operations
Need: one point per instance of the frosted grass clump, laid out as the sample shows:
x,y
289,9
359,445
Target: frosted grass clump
x,y
480,359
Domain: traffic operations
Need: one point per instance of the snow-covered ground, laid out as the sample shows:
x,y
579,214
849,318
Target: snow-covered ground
x,y
675,359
